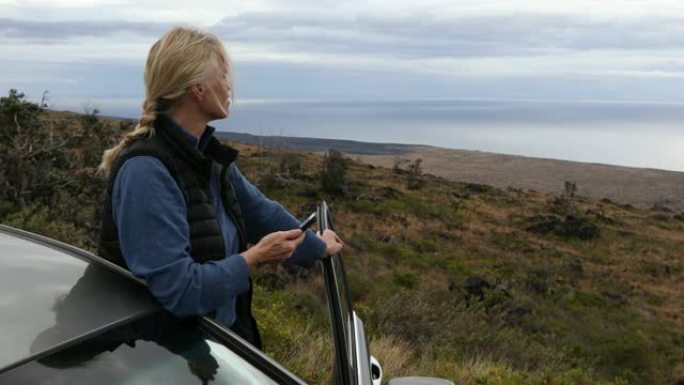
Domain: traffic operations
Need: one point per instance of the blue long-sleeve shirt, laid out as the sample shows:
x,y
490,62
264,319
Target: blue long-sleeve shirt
x,y
150,213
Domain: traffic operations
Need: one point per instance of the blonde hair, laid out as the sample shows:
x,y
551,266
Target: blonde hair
x,y
182,57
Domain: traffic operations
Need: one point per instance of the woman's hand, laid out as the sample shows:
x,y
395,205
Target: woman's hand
x,y
274,248
333,243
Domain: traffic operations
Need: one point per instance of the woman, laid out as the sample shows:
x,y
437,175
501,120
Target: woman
x,y
179,213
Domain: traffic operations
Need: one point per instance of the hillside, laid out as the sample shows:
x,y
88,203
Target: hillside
x,y
478,284
645,188
640,187
501,286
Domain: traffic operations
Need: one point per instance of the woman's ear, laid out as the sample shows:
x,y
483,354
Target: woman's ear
x,y
197,91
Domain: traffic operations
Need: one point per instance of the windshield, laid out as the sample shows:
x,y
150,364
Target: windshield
x,y
158,349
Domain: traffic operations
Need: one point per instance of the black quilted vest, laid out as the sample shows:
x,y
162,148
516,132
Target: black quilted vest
x,y
192,172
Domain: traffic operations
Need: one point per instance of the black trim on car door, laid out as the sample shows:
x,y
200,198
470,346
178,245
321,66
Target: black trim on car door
x,y
342,329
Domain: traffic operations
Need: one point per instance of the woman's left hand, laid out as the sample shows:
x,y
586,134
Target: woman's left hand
x,y
333,243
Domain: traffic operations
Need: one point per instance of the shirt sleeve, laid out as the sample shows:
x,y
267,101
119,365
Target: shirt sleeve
x,y
151,217
263,216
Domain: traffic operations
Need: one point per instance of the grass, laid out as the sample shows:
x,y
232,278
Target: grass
x,y
559,309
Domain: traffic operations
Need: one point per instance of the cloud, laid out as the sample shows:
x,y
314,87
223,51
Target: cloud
x,y
57,31
441,37
417,36
386,48
451,47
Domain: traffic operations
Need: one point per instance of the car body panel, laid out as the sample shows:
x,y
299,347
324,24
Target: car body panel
x,y
35,280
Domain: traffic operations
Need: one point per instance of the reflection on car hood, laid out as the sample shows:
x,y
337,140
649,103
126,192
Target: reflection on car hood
x,y
49,296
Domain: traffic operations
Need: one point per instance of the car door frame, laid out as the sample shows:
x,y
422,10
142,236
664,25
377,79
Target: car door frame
x,y
352,357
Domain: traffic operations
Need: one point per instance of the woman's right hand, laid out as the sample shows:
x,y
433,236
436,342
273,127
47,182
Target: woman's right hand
x,y
274,248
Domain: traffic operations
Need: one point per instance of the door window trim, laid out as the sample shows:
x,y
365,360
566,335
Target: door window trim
x,y
343,330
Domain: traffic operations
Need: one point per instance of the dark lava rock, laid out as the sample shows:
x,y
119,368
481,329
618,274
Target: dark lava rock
x,y
579,228
571,227
515,315
477,188
389,192
475,287
543,224
616,298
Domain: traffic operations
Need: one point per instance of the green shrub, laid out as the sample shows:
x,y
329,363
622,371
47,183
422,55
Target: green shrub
x,y
405,279
414,175
425,246
40,220
334,174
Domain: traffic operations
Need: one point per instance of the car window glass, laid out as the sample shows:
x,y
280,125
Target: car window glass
x,y
154,350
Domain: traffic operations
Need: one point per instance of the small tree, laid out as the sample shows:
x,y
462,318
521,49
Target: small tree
x,y
570,189
333,176
414,176
27,153
398,162
289,163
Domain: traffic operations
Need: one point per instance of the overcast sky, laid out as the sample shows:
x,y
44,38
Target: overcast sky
x,y
348,50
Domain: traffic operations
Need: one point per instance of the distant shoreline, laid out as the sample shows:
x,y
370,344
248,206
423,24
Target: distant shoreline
x,y
357,147
317,145
641,187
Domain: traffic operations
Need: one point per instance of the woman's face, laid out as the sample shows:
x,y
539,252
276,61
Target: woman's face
x,y
216,101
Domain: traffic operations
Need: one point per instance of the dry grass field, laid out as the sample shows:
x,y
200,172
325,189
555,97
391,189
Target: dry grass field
x,y
643,188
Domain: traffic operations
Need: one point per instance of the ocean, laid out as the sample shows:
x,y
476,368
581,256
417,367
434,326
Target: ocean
x,y
648,135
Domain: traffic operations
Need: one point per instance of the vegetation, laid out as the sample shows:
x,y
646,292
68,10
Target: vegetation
x,y
462,281
49,161
414,180
333,175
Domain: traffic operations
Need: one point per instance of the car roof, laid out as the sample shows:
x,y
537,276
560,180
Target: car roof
x,y
53,294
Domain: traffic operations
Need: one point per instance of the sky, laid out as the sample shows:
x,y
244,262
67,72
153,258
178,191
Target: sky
x,y
359,50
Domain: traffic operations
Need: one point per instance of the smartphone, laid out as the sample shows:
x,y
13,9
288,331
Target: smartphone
x,y
308,222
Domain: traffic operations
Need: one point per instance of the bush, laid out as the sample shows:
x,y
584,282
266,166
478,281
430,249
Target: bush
x,y
38,219
414,175
48,165
405,279
333,176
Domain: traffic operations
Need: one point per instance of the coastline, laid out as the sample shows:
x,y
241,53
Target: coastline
x,y
640,187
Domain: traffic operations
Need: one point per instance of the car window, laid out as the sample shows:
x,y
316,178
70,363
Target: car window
x,y
157,349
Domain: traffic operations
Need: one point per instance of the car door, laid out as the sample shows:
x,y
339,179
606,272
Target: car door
x,y
352,359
